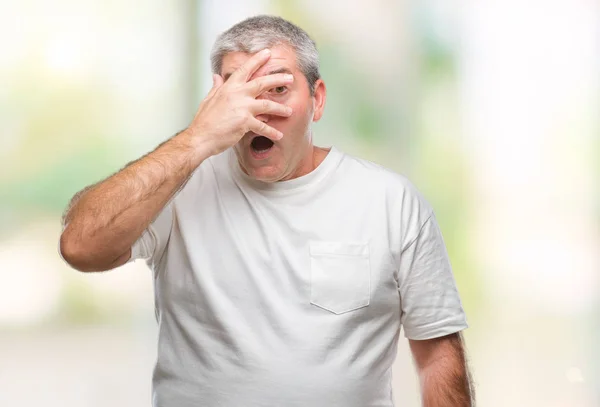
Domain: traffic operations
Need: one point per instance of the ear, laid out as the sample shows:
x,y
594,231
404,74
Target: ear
x,y
319,98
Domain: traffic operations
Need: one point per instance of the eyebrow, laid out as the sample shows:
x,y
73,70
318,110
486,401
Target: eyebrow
x,y
275,71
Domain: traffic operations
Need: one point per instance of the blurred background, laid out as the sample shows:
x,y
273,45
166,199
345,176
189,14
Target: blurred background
x,y
490,107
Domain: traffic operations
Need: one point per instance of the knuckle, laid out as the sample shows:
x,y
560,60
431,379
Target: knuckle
x,y
257,85
243,70
265,104
238,116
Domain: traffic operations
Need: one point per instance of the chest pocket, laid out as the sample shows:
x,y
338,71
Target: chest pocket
x,y
340,279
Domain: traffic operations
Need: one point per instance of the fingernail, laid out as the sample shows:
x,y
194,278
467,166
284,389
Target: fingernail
x,y
288,110
266,51
288,77
280,134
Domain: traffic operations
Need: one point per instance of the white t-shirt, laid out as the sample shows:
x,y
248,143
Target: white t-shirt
x,y
293,293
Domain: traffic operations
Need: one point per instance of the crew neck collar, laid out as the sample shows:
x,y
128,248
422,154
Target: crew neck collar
x,y
330,161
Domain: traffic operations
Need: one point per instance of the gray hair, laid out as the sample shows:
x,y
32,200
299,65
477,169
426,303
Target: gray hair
x,y
263,31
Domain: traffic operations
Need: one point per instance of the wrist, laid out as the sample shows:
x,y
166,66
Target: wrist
x,y
200,148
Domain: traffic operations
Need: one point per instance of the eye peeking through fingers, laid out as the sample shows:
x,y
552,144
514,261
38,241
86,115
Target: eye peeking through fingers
x,y
279,90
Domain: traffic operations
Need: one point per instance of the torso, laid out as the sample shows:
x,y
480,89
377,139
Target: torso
x,y
283,297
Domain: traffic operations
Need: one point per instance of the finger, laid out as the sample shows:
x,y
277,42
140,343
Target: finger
x,y
267,82
217,82
264,129
266,106
244,72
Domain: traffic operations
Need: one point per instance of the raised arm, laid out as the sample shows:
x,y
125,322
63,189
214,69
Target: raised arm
x,y
104,220
443,371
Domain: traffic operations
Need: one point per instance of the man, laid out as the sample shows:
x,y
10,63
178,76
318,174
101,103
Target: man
x,y
282,270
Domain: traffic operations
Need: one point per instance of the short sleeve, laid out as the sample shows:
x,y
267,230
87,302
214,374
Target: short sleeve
x,y
430,303
151,245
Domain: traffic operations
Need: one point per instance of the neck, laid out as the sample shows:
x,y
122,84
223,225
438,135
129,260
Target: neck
x,y
311,160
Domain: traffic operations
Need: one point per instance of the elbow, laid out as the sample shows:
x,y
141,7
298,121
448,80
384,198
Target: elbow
x,y
72,253
80,257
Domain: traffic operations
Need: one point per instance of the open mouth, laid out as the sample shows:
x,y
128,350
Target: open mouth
x,y
261,145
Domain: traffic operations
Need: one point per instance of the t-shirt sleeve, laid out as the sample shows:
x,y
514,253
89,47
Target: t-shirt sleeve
x,y
151,245
430,302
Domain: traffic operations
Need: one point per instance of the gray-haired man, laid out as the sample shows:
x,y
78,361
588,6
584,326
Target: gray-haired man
x,y
283,271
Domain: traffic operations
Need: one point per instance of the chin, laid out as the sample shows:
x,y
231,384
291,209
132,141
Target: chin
x,y
265,174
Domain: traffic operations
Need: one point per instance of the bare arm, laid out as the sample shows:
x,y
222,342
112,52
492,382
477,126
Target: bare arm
x,y
443,372
104,220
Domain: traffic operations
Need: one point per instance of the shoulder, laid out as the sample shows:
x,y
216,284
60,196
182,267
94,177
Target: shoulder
x,y
378,178
393,192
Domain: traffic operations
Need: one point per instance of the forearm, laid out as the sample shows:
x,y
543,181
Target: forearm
x,y
447,383
103,221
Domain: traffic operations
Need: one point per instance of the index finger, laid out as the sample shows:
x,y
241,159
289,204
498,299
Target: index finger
x,y
245,72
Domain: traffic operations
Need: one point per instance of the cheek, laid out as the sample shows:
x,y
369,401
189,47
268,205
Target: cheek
x,y
300,110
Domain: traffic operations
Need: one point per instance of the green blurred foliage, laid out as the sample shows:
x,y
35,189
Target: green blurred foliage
x,y
61,144
80,305
438,159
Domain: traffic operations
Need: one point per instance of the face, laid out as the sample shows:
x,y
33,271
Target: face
x,y
293,155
